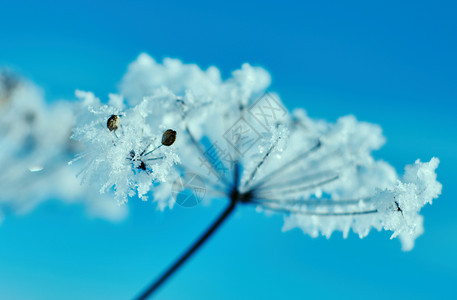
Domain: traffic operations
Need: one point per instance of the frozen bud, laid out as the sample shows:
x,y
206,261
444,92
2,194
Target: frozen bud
x,y
168,137
113,123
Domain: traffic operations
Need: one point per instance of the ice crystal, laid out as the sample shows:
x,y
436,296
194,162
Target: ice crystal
x,y
127,157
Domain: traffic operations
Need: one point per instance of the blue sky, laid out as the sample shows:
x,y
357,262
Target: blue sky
x,y
389,63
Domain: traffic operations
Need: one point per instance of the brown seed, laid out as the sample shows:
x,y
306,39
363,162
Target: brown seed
x,y
113,123
168,137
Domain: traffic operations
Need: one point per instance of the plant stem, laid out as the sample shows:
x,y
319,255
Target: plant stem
x,y
156,284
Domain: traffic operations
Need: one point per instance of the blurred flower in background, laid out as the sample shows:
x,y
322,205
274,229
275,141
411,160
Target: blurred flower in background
x,y
34,138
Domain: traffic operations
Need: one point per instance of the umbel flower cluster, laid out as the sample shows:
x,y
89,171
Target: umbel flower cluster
x,y
247,147
174,127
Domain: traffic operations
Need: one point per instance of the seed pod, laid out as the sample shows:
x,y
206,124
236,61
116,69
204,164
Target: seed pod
x,y
142,166
113,123
168,137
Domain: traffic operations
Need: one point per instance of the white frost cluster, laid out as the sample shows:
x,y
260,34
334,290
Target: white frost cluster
x,y
34,138
129,159
322,175
242,141
145,76
397,208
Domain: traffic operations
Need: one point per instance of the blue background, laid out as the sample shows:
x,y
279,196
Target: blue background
x,y
386,62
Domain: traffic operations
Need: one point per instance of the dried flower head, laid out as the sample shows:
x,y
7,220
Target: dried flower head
x,y
168,137
250,148
113,123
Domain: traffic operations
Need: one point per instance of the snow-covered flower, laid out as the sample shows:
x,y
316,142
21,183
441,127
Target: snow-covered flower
x,y
173,121
248,147
122,151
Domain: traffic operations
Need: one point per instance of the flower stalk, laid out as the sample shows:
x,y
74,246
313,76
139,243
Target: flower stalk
x,y
186,255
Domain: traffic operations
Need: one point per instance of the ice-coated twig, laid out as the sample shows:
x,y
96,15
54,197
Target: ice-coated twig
x,y
151,151
203,153
215,185
288,190
284,167
300,180
312,213
313,202
261,162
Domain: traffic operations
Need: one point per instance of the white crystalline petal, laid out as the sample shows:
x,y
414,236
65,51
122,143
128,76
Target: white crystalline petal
x,y
145,75
115,158
250,81
417,188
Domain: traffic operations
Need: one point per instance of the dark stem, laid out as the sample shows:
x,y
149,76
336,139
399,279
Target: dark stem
x,y
287,166
156,284
261,163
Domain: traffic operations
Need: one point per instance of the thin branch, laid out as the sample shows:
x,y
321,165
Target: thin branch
x,y
289,164
146,154
288,190
319,202
297,181
155,158
215,185
145,149
314,213
236,175
267,154
203,153
173,268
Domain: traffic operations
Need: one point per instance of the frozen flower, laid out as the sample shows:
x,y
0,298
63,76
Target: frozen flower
x,y
181,122
122,151
248,147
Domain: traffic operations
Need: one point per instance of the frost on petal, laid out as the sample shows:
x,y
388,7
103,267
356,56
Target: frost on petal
x,y
127,158
417,188
250,81
359,139
163,194
395,208
145,75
